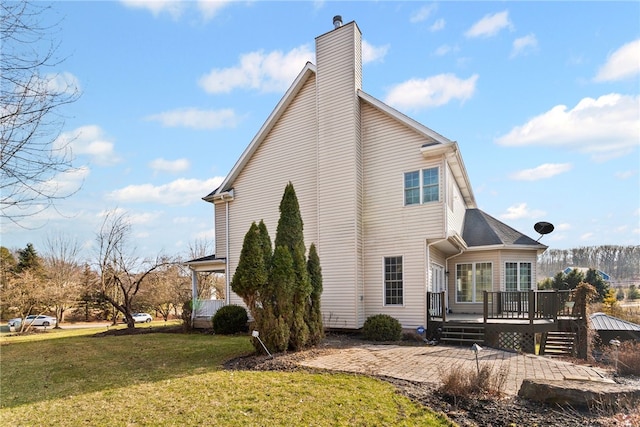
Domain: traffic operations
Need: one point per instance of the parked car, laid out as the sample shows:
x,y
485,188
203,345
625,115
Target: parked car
x,y
33,320
142,317
15,322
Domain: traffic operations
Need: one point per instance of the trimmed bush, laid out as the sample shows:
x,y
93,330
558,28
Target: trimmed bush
x,y
230,319
382,327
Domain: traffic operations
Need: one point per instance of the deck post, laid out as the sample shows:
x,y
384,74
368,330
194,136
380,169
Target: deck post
x,y
443,306
532,305
485,305
556,305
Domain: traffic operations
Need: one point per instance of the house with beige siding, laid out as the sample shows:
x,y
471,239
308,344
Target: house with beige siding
x,y
386,200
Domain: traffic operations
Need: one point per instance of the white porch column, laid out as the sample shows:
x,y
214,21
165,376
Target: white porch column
x,y
194,294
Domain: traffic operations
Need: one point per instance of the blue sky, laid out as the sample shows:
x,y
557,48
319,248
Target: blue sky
x,y
542,97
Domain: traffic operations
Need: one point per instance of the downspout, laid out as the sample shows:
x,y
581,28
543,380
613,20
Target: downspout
x,y
226,261
446,266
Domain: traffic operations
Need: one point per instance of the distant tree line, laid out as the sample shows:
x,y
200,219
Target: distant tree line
x,y
622,263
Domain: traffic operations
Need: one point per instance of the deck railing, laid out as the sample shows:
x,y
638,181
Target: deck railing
x,y
530,305
516,305
436,305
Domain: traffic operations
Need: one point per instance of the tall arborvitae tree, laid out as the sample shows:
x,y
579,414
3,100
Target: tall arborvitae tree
x,y
251,274
278,301
290,235
281,290
314,313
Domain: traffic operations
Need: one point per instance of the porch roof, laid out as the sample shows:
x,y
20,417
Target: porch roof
x,y
208,263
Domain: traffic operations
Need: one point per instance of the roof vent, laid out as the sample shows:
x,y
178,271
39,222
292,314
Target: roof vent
x,y
337,21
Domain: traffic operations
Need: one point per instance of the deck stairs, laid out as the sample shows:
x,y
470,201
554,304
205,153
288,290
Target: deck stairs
x,y
460,333
558,344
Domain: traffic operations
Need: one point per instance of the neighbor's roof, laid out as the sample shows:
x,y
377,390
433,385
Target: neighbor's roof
x,y
604,322
481,229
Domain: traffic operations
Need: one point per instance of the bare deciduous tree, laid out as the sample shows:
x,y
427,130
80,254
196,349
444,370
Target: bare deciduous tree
x,y
32,92
121,272
64,273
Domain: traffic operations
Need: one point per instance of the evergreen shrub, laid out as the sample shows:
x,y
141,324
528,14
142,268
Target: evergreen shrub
x,y
382,327
230,319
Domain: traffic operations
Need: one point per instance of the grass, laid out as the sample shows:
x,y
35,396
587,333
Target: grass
x,y
71,377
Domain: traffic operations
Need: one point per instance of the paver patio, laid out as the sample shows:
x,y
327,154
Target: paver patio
x,y
428,363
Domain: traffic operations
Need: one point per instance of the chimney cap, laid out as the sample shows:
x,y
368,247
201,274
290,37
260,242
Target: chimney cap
x,y
337,21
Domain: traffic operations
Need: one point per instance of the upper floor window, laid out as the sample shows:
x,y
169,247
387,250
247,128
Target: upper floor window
x,y
517,276
393,283
422,186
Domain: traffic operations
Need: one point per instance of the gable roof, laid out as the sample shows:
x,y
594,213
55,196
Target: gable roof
x,y
481,229
439,142
308,70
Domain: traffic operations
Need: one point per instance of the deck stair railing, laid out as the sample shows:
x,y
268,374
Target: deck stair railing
x,y
436,304
529,305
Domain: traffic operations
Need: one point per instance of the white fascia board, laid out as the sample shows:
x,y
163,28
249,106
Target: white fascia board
x,y
277,112
539,248
456,163
408,121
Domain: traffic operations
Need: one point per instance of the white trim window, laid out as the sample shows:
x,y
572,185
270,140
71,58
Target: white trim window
x,y
393,281
518,276
472,279
422,186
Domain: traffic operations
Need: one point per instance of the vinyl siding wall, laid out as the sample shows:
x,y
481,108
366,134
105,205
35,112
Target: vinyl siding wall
x,y
391,229
455,216
288,153
220,228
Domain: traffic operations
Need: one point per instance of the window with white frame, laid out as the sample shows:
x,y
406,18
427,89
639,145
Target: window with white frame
x,y
393,284
517,276
472,279
422,186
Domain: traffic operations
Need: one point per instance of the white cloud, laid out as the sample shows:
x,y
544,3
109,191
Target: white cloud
x,y
210,8
194,118
521,211
423,13
171,166
438,25
89,141
625,174
267,72
69,181
586,236
371,53
180,192
157,7
62,83
606,127
490,25
143,217
431,92
523,45
544,171
445,49
622,64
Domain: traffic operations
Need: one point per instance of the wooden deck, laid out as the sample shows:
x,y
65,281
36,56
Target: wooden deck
x,y
513,320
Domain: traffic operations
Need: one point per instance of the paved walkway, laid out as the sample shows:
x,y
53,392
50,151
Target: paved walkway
x,y
429,363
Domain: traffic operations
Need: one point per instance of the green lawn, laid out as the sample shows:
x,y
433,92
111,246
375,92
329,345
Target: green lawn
x,y
74,378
